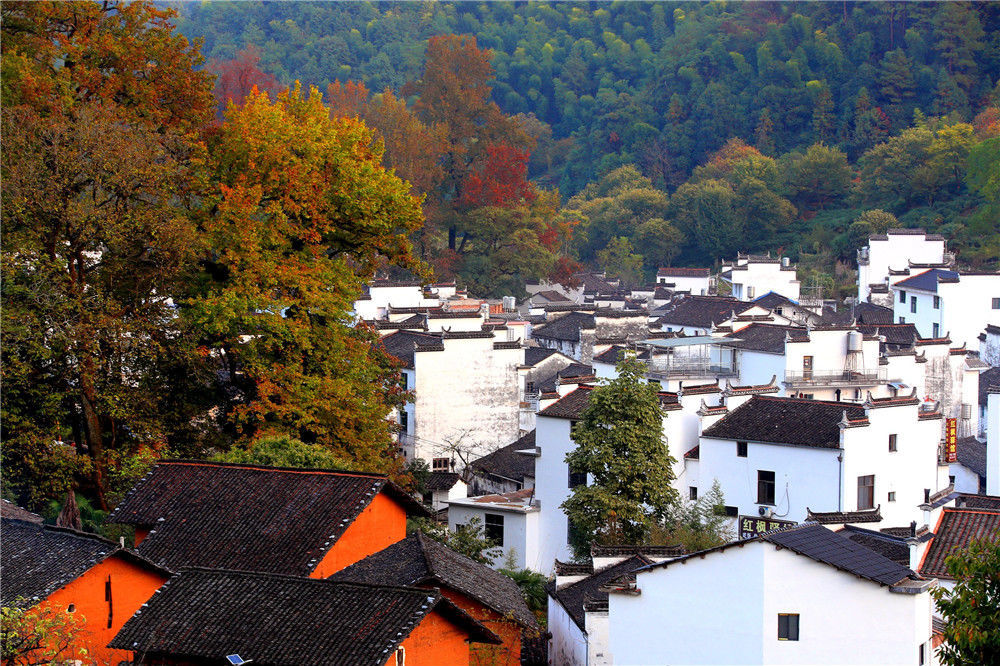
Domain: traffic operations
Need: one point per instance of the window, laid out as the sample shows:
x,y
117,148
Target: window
x,y
913,303
996,303
493,528
750,292
765,487
808,396
441,464
732,511
692,493
892,495
936,330
866,492
902,320
529,387
937,303
577,479
807,367
921,654
400,656
788,626
892,443
902,296
741,449
777,311
404,421
71,608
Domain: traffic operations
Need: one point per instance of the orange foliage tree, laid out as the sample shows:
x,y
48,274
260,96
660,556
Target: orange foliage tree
x,y
239,76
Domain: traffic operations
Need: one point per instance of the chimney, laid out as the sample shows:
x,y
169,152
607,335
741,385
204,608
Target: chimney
x,y
913,528
927,495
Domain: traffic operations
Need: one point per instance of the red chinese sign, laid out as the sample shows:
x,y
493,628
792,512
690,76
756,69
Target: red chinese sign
x,y
950,441
751,526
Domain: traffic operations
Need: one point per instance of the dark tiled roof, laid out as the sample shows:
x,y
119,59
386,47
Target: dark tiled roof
x,y
401,344
702,311
888,546
10,510
282,620
984,502
535,355
838,517
823,545
573,597
683,272
418,560
441,481
988,379
507,463
896,335
765,337
928,280
612,355
570,406
39,559
786,421
553,296
972,454
870,313
772,300
229,516
955,529
567,327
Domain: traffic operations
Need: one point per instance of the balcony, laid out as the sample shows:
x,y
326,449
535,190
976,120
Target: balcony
x,y
857,377
666,369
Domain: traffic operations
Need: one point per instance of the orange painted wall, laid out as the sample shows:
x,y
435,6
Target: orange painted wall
x,y
131,587
483,654
436,641
381,524
140,534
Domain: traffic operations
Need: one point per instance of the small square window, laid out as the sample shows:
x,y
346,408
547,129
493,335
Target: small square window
x,y
441,464
788,626
732,511
902,320
493,528
892,443
765,487
996,303
892,495
741,449
692,493
577,479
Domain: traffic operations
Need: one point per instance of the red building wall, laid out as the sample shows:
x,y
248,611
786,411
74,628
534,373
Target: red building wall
x,y
381,524
509,631
436,641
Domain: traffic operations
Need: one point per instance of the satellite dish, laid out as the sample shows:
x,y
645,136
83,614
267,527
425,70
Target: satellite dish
x,y
237,660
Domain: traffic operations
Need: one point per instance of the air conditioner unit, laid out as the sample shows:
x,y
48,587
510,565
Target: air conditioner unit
x,y
765,511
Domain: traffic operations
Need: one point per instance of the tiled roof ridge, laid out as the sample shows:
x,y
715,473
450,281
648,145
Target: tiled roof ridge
x,y
269,468
809,401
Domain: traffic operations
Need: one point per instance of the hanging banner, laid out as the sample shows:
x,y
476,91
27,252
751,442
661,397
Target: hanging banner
x,y
950,441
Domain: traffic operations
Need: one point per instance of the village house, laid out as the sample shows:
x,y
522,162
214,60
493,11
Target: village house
x,y
507,469
491,598
510,520
804,595
944,303
578,601
896,252
752,276
974,517
696,281
582,332
784,457
439,487
81,574
299,522
210,616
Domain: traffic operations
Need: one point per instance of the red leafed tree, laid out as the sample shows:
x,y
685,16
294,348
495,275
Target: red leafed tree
x,y
501,180
239,76
347,100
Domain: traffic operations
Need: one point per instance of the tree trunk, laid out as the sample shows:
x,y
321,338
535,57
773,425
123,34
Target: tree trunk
x,y
451,237
92,431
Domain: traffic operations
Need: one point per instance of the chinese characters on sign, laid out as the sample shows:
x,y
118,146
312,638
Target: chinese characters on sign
x,y
751,526
950,441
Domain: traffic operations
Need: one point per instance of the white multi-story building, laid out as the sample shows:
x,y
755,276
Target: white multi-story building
x,y
944,303
805,595
789,457
896,251
752,276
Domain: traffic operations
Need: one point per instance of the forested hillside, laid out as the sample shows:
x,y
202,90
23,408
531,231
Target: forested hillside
x,y
845,107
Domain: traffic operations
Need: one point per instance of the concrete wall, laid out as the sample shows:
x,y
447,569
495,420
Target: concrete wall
x,y
698,286
568,645
753,280
759,367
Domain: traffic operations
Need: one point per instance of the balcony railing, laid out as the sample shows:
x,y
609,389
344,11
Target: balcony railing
x,y
687,369
858,377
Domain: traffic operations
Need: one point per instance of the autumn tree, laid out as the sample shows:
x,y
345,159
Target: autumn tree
x,y
101,108
818,178
239,76
300,213
32,636
619,444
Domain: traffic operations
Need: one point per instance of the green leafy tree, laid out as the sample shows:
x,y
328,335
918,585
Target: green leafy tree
x,y
819,178
285,451
619,444
33,636
696,525
971,611
660,241
620,261
468,539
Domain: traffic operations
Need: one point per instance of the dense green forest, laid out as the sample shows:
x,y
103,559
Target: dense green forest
x,y
846,108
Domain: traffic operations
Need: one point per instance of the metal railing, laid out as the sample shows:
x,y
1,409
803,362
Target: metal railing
x,y
661,369
860,376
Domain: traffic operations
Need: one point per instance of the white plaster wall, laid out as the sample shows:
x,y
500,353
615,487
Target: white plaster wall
x,y
474,322
759,367
966,481
568,645
517,526
397,297
764,277
993,444
896,252
989,351
966,307
704,611
698,286
467,394
552,488
804,476
598,646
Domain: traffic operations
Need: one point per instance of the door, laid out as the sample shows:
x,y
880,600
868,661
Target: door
x,y
807,367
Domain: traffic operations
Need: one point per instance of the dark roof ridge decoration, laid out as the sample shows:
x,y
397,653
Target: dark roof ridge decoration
x,y
821,544
846,422
385,282
683,272
619,550
39,559
787,421
945,340
10,510
199,513
898,401
698,389
706,410
575,596
273,617
574,568
752,389
837,517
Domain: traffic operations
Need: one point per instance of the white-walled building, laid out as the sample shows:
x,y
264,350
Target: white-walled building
x,y
895,251
581,332
696,281
440,487
944,303
752,276
510,520
805,595
785,457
